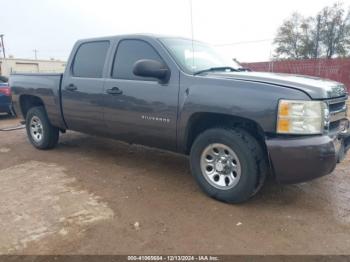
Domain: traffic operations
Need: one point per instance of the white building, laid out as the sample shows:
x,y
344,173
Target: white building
x,y
17,65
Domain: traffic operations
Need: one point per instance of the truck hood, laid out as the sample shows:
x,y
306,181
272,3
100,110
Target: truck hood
x,y
316,88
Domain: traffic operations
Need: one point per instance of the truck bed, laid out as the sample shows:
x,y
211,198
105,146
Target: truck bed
x,y
42,85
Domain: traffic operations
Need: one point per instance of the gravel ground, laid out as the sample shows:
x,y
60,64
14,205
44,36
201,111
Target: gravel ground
x,y
98,196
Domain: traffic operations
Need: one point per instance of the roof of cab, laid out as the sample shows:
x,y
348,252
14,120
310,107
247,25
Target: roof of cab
x,y
143,35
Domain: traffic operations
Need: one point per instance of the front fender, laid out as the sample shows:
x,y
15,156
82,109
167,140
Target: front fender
x,y
257,102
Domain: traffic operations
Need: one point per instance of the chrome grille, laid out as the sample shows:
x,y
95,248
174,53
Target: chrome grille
x,y
337,111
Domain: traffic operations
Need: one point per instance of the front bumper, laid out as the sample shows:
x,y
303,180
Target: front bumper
x,y
295,160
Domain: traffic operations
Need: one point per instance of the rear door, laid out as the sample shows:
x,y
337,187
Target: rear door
x,y
82,87
144,110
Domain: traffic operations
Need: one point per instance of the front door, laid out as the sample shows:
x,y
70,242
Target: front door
x,y
137,109
82,88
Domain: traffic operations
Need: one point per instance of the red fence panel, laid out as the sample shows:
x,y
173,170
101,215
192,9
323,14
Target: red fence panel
x,y
335,69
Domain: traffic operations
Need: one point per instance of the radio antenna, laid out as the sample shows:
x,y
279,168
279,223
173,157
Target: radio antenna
x,y
191,14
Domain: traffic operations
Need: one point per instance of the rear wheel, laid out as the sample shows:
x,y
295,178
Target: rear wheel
x,y
40,132
228,164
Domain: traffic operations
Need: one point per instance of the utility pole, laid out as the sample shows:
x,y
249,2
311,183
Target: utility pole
x,y
2,45
36,54
192,34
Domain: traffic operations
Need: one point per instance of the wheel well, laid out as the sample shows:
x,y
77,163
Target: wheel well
x,y
28,101
203,121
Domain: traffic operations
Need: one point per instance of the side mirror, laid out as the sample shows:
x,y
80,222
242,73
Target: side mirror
x,y
151,68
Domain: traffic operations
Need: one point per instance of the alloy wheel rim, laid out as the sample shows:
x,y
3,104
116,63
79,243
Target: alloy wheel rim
x,y
220,166
36,129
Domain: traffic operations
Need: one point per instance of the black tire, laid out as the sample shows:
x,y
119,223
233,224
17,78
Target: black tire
x,y
250,156
50,134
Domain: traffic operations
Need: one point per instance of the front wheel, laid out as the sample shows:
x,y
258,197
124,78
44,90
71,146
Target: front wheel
x,y
228,164
40,132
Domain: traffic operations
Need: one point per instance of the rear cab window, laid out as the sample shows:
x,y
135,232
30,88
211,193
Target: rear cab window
x,y
90,59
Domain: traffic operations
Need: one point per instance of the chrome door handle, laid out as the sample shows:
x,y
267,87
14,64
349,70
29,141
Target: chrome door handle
x,y
71,87
114,91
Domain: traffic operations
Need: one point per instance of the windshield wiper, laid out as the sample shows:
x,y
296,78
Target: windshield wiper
x,y
222,68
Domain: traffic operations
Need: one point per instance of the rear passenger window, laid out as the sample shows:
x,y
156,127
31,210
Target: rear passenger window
x,y
128,52
90,59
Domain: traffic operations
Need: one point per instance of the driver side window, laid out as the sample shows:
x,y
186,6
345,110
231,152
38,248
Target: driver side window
x,y
127,54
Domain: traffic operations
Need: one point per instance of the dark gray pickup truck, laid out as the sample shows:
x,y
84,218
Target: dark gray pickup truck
x,y
180,95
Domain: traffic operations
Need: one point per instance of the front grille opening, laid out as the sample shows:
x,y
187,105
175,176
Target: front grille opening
x,y
337,106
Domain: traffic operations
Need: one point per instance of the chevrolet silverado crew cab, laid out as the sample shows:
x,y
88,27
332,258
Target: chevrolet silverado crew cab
x,y
180,95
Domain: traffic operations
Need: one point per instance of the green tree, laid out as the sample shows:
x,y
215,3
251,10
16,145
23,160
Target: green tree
x,y
315,41
335,32
289,39
325,35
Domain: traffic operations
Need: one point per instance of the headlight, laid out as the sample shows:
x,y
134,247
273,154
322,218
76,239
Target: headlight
x,y
301,117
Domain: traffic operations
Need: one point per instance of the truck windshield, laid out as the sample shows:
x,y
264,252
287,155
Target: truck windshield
x,y
198,57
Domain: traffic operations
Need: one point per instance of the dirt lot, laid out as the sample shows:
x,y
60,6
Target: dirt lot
x,y
97,196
